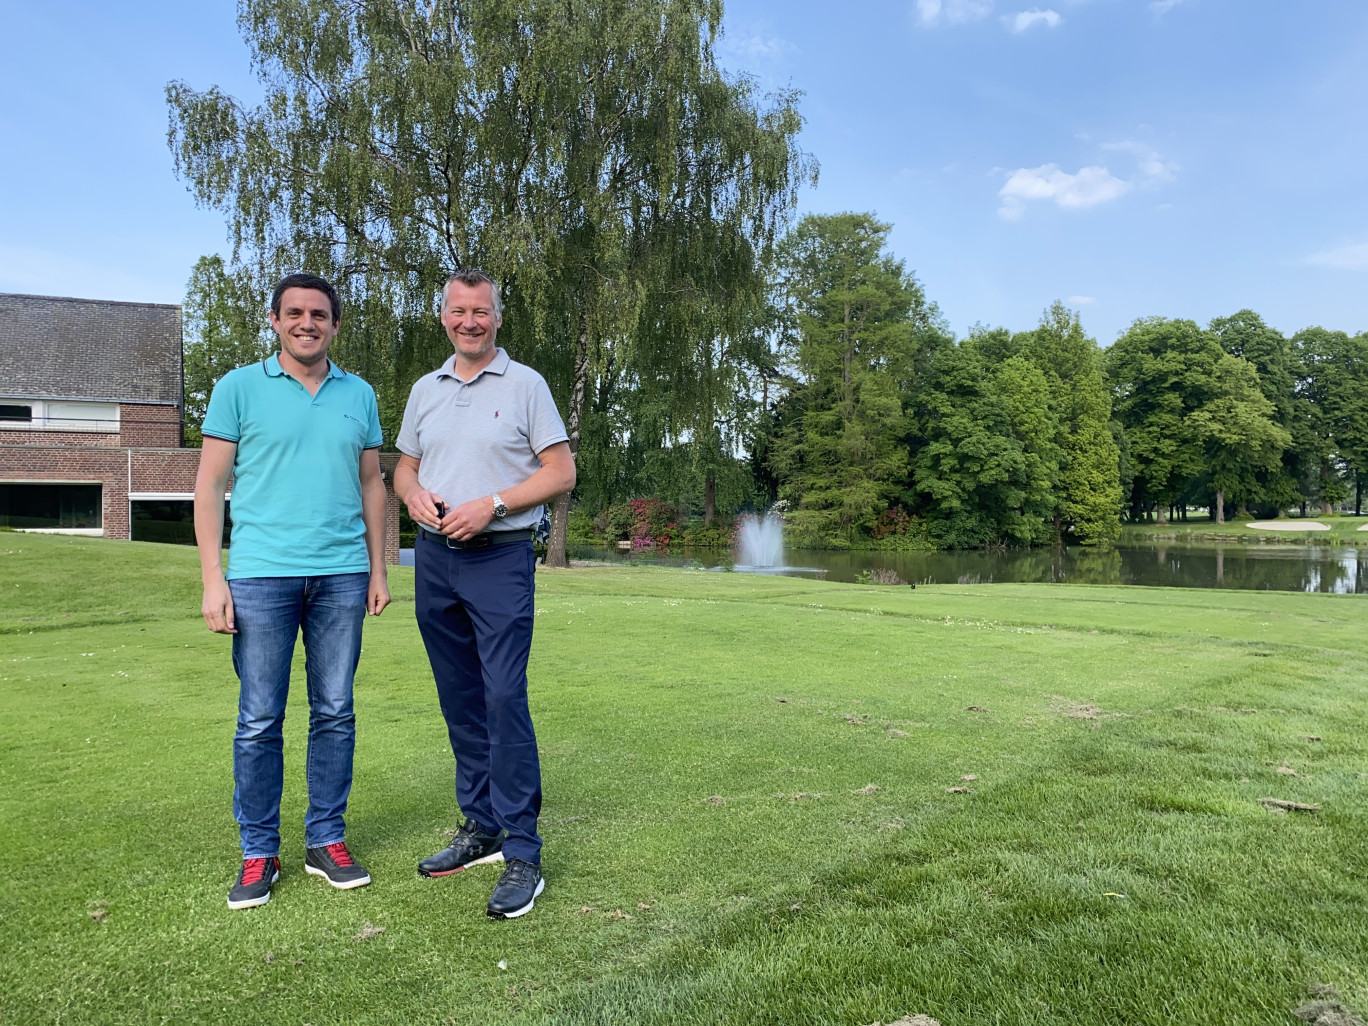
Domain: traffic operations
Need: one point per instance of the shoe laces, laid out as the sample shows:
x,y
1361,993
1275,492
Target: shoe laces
x,y
340,855
519,873
467,837
254,870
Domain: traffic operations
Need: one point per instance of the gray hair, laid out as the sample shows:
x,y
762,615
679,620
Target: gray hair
x,y
472,277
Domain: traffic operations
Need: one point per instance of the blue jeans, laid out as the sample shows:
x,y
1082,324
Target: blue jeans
x,y
475,610
269,612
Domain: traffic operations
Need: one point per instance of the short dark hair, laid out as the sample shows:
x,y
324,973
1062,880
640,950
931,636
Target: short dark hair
x,y
307,281
471,277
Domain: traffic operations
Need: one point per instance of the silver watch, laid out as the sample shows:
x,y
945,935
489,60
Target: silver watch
x,y
500,510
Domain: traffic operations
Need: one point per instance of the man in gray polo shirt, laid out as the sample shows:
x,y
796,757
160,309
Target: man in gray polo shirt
x,y
483,449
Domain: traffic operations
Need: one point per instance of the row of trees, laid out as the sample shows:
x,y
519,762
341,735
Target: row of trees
x,y
636,201
890,427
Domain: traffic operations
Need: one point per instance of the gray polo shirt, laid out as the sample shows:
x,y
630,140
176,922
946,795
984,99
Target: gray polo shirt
x,y
476,437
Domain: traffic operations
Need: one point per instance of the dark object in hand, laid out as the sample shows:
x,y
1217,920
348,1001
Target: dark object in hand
x,y
441,510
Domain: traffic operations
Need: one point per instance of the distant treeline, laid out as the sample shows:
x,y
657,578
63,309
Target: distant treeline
x,y
890,428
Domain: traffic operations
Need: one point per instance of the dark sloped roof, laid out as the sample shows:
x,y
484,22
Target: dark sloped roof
x,y
57,348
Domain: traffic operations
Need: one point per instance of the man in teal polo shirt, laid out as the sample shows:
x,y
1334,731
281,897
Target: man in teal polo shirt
x,y
300,438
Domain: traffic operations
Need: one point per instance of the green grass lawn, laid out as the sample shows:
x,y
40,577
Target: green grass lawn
x,y
767,801
1344,530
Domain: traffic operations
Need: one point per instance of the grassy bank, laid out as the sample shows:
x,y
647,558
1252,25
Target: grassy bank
x,y
1344,530
767,801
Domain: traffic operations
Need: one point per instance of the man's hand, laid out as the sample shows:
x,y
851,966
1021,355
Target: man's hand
x,y
217,607
468,519
377,595
422,508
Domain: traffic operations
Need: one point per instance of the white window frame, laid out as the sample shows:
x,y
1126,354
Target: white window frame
x,y
46,415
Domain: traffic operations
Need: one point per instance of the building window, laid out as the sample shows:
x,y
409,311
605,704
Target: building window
x,y
52,415
171,521
69,506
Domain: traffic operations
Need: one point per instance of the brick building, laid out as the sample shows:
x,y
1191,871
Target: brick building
x,y
91,437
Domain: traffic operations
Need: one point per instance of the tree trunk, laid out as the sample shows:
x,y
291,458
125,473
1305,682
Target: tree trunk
x,y
1183,513
1220,505
709,497
1163,514
560,510
1358,495
1325,480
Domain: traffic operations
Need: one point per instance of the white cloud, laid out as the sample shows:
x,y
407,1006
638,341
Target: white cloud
x,y
1163,6
1353,257
1090,186
1081,300
931,13
754,45
1148,164
1025,20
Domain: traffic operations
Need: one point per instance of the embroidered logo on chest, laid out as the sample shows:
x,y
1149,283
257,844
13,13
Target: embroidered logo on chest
x,y
496,414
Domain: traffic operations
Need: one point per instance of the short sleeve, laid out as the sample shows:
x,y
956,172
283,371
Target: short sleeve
x,y
408,442
375,436
544,425
223,419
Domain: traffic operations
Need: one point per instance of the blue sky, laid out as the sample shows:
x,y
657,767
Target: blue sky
x,y
1179,157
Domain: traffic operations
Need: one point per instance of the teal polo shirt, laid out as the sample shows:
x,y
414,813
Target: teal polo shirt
x,y
296,504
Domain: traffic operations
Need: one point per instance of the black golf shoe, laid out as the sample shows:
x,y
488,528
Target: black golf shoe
x,y
254,883
470,847
334,863
516,891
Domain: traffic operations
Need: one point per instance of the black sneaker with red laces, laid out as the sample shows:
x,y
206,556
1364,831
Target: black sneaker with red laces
x,y
253,885
334,863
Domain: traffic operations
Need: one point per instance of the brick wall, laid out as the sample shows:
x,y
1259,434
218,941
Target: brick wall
x,y
142,424
164,470
120,471
50,439
109,467
388,461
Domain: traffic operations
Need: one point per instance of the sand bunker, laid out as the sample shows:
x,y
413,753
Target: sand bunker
x,y
1290,525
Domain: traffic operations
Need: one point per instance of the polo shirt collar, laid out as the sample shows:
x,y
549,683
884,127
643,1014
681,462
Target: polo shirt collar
x,y
275,370
496,366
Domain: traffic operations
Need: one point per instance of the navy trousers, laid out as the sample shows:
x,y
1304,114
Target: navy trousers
x,y
475,609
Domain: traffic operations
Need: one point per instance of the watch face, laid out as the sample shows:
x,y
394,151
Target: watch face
x,y
500,510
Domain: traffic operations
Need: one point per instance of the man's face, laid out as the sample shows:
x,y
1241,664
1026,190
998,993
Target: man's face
x,y
468,316
305,324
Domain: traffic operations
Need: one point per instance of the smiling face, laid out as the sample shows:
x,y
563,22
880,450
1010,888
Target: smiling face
x,y
305,325
470,322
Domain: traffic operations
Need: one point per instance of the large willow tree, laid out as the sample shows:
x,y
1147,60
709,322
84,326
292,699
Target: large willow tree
x,y
568,147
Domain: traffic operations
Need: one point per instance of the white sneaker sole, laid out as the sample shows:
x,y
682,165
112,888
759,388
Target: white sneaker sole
x,y
254,902
498,856
359,882
541,886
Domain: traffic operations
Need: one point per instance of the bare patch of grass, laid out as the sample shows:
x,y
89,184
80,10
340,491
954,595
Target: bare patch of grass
x,y
1325,1009
1282,805
868,789
368,932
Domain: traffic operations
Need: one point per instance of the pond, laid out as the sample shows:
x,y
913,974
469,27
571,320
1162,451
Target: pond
x,y
1324,568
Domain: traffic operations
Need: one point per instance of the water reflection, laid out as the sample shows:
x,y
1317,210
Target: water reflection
x,y
1324,568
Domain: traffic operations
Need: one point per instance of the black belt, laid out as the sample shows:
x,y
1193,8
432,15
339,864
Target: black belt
x,y
480,541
